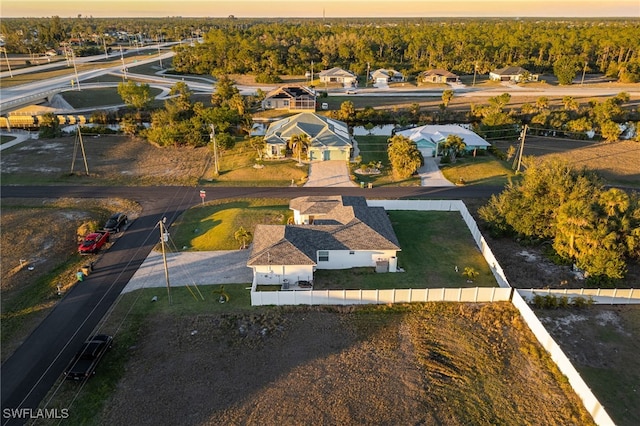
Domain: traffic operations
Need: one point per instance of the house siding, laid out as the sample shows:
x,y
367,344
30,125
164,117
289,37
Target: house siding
x,y
343,259
275,274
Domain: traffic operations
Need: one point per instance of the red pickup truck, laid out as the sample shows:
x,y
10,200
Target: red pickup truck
x,y
93,242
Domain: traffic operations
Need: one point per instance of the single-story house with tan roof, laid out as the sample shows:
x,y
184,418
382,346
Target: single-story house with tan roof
x,y
386,76
329,232
438,76
338,75
330,139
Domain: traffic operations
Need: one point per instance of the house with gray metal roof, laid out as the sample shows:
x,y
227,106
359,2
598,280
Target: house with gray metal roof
x,y
429,137
330,139
328,232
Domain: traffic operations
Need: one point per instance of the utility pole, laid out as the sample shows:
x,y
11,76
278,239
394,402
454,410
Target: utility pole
x,y
75,151
4,49
523,135
311,81
475,69
159,55
366,80
212,136
104,43
584,70
75,69
164,237
124,70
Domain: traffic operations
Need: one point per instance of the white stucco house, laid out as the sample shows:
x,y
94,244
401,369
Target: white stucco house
x,y
427,138
515,74
330,139
328,232
386,76
338,75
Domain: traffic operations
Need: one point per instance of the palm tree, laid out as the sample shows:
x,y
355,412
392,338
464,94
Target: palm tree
x,y
297,144
470,273
242,235
453,145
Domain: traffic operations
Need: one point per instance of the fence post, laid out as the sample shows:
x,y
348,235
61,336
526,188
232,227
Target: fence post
x,y
442,297
613,296
410,295
475,297
493,293
459,294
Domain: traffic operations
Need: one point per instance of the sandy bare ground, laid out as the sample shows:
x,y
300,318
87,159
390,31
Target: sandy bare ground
x,y
342,366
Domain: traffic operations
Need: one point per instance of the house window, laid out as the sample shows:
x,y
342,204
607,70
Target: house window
x,y
323,256
274,150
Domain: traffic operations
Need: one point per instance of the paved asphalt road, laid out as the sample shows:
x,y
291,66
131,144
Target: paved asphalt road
x,y
35,366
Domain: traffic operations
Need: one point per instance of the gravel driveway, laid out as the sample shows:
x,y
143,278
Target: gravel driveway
x,y
189,268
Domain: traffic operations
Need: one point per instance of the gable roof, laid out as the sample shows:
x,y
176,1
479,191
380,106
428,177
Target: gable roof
x,y
348,223
510,71
322,131
388,73
438,71
291,92
336,72
430,135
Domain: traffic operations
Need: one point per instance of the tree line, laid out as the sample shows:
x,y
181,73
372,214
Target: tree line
x,y
272,47
412,46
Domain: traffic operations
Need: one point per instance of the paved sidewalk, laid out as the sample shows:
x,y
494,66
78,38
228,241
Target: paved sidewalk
x,y
190,268
19,135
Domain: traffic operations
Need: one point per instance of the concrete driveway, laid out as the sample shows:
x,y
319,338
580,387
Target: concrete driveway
x,y
190,268
329,173
430,174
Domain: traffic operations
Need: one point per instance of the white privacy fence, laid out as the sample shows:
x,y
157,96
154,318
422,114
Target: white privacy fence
x,y
583,391
478,294
599,296
363,297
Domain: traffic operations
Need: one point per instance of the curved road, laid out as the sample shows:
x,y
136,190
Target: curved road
x,y
35,366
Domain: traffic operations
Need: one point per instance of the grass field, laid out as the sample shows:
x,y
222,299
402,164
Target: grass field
x,y
429,255
237,168
212,363
480,170
212,226
88,98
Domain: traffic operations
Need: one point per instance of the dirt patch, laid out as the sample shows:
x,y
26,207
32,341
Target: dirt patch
x,y
615,161
602,342
39,237
342,366
116,160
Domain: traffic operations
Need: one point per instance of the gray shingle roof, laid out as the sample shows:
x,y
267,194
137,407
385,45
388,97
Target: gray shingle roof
x,y
323,131
347,224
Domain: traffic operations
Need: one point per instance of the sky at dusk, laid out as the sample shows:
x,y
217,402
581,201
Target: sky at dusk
x,y
318,8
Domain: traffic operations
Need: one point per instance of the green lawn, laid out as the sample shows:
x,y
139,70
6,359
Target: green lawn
x,y
482,170
237,169
433,244
87,98
373,149
212,226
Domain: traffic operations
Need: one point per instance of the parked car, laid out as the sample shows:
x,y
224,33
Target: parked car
x,y
93,242
116,222
84,363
